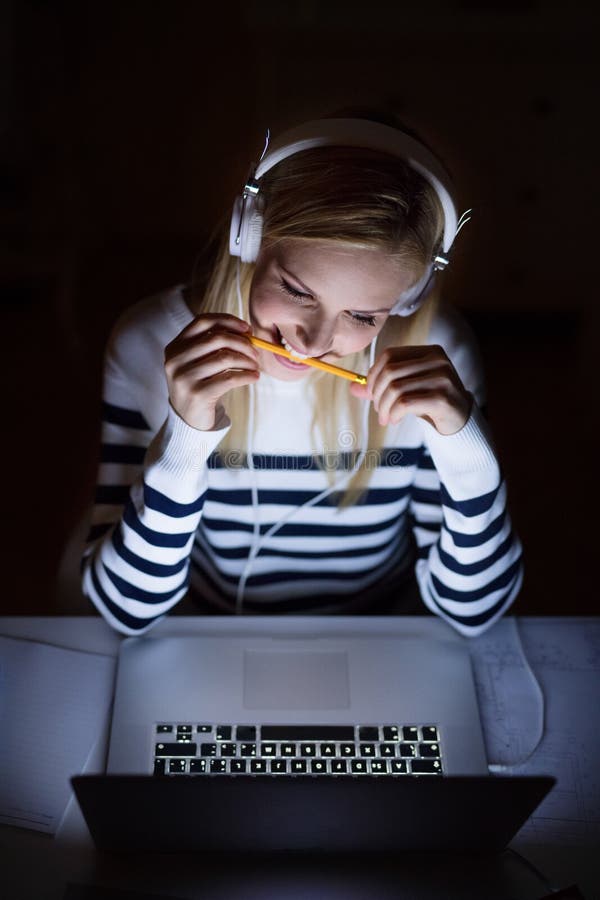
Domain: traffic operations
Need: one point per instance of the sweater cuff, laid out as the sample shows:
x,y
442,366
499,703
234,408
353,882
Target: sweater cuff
x,y
466,461
177,457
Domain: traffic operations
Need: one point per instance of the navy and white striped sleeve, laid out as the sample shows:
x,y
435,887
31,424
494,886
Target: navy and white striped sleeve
x,y
149,496
469,564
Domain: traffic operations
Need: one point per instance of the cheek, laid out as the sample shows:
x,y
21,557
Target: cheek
x,y
356,338
266,308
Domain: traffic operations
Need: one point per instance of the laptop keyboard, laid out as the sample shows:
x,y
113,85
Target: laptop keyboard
x,y
209,749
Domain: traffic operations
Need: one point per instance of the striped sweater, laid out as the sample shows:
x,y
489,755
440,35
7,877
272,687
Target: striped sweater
x,y
173,514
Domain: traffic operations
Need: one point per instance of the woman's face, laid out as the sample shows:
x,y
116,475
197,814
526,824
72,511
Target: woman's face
x,y
320,299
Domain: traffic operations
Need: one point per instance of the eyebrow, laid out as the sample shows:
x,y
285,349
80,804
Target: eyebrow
x,y
366,312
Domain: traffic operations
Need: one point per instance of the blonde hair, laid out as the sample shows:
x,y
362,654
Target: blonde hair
x,y
358,198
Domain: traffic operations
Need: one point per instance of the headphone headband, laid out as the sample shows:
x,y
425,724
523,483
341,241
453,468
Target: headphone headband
x,y
247,221
371,136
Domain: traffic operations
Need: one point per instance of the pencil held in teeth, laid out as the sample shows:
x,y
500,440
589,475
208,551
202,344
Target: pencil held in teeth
x,y
309,361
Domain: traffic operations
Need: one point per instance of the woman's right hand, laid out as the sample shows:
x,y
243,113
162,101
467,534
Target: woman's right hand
x,y
207,359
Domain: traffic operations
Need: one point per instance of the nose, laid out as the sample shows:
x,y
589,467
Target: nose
x,y
315,336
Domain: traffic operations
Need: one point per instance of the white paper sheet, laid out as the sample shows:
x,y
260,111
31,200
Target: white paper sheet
x,y
54,704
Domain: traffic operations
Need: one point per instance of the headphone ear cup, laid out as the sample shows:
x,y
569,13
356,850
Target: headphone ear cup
x,y
247,222
412,299
252,229
235,248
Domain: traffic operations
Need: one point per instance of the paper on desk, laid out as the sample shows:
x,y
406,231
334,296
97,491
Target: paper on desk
x,y
511,703
54,704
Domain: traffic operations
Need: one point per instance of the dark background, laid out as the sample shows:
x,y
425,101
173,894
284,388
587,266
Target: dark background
x,y
126,128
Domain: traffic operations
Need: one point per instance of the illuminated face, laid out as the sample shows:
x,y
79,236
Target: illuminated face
x,y
321,299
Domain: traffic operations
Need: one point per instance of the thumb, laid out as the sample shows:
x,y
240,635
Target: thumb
x,y
360,390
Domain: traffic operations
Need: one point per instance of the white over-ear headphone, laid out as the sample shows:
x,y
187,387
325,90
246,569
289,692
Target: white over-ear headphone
x,y
246,228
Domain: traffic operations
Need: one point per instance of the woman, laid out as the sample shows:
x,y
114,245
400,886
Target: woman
x,y
264,484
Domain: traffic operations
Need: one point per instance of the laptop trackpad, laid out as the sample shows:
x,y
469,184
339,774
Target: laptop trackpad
x,y
295,679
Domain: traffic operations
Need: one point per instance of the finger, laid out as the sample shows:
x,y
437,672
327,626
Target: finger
x,y
208,321
184,349
206,366
432,385
425,404
216,386
399,374
360,390
446,418
399,354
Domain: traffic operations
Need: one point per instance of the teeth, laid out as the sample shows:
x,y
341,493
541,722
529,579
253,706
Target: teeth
x,y
291,350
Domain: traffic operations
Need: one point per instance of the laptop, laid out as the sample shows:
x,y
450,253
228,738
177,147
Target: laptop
x,y
301,733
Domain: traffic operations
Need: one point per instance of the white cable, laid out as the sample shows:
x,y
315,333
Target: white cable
x,y
249,457
541,709
258,540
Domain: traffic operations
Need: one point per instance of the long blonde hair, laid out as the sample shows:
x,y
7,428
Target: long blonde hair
x,y
359,198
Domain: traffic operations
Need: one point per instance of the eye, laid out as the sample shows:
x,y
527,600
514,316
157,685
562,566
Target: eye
x,y
359,319
299,297
292,292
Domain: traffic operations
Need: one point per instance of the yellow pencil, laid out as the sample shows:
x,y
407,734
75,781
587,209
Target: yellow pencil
x,y
334,370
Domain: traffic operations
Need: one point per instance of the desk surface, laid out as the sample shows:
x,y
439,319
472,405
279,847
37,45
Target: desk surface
x,y
564,655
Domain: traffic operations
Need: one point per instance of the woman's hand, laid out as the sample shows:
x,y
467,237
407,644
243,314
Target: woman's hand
x,y
418,380
207,359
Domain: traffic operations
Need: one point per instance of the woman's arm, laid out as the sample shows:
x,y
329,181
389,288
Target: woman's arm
x,y
148,503
469,567
151,486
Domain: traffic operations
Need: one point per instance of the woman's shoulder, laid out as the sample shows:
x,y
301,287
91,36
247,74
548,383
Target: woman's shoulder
x,y
450,330
145,328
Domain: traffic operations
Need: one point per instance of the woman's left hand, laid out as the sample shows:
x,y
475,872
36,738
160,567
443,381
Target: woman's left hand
x,y
417,380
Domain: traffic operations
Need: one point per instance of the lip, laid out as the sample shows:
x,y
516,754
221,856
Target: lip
x,y
296,366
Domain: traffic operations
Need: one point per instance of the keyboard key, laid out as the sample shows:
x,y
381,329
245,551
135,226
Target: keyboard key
x,y
197,766
164,729
278,766
248,750
348,749
387,749
175,750
367,749
408,750
176,766
318,766
338,766
159,766
183,738
308,749
379,766
268,749
204,729
298,765
391,733
368,733
307,732
398,767
218,765
245,732
184,729
426,767
237,766
223,733
288,749
358,766
208,750
410,733
429,750
430,733
258,765
228,749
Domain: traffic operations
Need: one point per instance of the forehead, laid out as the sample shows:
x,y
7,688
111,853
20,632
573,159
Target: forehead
x,y
355,276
